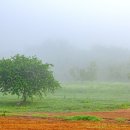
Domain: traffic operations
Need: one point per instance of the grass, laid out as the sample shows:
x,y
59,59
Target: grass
x,y
75,97
121,120
85,118
40,115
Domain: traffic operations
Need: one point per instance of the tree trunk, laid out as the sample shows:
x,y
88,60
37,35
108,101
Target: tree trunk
x,y
24,97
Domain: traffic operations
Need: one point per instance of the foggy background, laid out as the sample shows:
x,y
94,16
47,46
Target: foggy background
x,y
86,40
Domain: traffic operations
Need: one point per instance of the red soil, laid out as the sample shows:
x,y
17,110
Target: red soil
x,y
20,123
125,113
29,123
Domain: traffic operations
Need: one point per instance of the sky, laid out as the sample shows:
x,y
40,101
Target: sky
x,y
82,23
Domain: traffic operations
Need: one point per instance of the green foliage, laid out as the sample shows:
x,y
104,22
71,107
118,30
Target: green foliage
x,y
3,113
26,76
81,117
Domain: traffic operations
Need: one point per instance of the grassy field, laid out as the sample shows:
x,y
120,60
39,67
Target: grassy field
x,y
75,97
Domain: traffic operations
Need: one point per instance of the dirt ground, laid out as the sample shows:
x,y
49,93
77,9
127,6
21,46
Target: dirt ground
x,y
51,123
123,113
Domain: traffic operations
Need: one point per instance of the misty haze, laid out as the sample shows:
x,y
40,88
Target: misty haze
x,y
74,53
68,34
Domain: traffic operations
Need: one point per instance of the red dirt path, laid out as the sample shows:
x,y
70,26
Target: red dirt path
x,y
29,123
125,113
20,123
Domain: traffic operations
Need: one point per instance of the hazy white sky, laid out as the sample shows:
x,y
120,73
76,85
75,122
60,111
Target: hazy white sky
x,y
81,22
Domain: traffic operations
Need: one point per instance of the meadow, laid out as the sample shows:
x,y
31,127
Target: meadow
x,y
74,97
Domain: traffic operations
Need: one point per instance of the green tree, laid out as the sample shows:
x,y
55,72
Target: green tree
x,y
26,77
91,73
85,74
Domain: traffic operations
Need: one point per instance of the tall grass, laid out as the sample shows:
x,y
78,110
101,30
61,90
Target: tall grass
x,y
75,97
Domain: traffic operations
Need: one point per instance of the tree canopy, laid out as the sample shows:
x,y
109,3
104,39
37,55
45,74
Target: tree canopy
x,y
26,76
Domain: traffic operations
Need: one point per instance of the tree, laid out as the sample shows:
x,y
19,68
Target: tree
x,y
26,77
117,72
91,73
85,74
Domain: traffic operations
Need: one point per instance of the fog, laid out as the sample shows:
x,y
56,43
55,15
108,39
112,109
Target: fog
x,y
74,35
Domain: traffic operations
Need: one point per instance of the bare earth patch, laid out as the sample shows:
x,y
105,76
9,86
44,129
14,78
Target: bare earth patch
x,y
123,113
51,123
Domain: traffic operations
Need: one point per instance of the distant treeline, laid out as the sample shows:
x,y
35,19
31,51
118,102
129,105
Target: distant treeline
x,y
94,72
95,63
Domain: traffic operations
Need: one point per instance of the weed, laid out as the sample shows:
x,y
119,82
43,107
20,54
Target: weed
x,y
77,118
3,113
40,115
121,120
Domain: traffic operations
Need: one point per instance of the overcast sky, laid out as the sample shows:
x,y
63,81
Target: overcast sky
x,y
83,23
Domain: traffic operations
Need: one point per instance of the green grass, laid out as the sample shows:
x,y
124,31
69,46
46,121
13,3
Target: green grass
x,y
75,97
40,115
121,120
85,118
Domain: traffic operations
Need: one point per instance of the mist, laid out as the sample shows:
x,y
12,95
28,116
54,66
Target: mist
x,y
72,35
